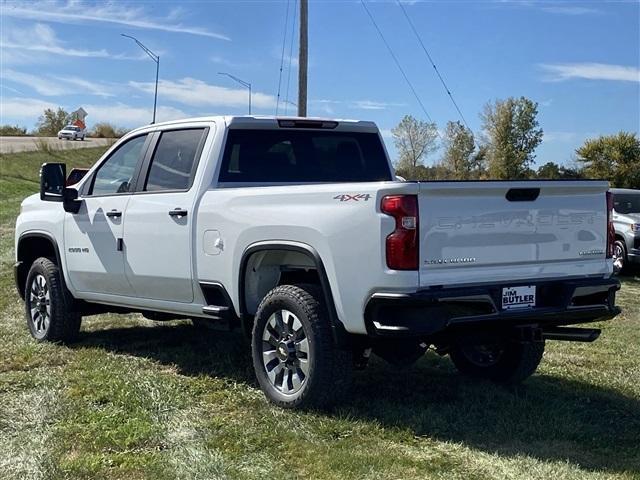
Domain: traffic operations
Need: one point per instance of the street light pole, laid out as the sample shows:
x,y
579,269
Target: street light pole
x,y
156,59
241,82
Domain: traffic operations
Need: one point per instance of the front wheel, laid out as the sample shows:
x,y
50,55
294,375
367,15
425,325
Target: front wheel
x,y
296,360
49,305
500,360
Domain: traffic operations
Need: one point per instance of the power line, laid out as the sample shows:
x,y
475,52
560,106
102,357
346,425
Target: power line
x,y
293,31
284,42
397,62
432,63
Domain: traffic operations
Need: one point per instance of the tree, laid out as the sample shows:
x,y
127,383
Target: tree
x,y
459,157
421,172
107,130
550,171
12,131
514,134
614,157
414,140
51,122
553,171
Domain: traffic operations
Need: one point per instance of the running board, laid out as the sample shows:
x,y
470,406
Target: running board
x,y
216,311
571,334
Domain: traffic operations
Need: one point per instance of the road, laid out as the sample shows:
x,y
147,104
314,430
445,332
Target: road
x,y
26,144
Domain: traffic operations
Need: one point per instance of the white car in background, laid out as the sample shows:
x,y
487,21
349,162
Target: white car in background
x,y
71,132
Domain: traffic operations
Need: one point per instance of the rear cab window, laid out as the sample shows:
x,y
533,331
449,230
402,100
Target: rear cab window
x,y
303,156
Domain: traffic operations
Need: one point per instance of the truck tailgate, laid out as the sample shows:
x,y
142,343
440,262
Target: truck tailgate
x,y
502,231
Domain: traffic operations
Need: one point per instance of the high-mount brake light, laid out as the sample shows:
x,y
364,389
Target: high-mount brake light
x,y
611,231
402,243
291,123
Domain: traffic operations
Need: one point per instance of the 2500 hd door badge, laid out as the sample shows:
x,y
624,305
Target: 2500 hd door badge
x,y
78,250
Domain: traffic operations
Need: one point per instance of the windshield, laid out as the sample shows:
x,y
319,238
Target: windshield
x,y
303,156
71,127
626,202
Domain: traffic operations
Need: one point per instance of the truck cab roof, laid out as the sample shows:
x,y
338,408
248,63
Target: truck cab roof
x,y
272,121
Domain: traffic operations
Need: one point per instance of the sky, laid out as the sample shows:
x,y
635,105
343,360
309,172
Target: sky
x,y
579,60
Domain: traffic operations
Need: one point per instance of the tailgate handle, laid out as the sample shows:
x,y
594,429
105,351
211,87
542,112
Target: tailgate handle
x,y
522,194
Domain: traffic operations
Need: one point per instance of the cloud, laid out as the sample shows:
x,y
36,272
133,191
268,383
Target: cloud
x,y
557,7
559,136
230,63
81,12
190,91
570,10
57,85
42,39
80,85
119,114
23,108
371,105
590,71
357,104
386,133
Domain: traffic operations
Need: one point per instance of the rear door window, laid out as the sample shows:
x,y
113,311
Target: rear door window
x,y
303,156
175,160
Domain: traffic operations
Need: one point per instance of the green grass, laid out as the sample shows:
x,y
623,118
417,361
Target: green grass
x,y
135,399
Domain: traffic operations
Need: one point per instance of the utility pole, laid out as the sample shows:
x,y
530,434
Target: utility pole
x,y
303,58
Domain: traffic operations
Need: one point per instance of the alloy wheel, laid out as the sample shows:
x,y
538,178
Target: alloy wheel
x,y
285,352
39,305
618,257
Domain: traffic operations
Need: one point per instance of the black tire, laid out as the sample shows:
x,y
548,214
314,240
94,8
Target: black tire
x,y
620,257
329,369
506,361
56,320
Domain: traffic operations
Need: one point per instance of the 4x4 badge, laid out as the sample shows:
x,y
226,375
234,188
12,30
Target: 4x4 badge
x,y
345,197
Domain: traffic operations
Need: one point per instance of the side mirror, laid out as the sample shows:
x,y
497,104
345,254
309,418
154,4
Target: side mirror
x,y
70,201
52,181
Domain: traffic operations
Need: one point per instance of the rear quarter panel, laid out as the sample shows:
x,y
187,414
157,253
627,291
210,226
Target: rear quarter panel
x,y
348,234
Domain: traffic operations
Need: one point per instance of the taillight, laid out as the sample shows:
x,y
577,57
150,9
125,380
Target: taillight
x,y
402,243
611,232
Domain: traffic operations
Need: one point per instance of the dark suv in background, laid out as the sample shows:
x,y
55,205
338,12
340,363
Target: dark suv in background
x,y
626,220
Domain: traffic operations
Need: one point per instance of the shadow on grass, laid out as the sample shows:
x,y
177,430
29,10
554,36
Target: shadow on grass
x,y
550,418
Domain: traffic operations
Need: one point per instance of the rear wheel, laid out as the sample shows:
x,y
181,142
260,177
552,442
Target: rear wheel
x,y
500,360
295,358
49,305
619,256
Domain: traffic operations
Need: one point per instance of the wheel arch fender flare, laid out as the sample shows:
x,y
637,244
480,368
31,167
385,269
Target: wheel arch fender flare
x,y
21,269
340,334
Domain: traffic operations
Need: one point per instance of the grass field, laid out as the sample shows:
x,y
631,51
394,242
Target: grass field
x,y
134,399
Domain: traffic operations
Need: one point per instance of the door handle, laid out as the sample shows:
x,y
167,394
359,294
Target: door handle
x,y
178,212
114,213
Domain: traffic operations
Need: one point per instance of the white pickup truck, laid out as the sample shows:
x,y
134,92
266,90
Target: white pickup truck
x,y
297,232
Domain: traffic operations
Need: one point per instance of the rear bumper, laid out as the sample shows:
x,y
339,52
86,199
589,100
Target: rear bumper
x,y
438,310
